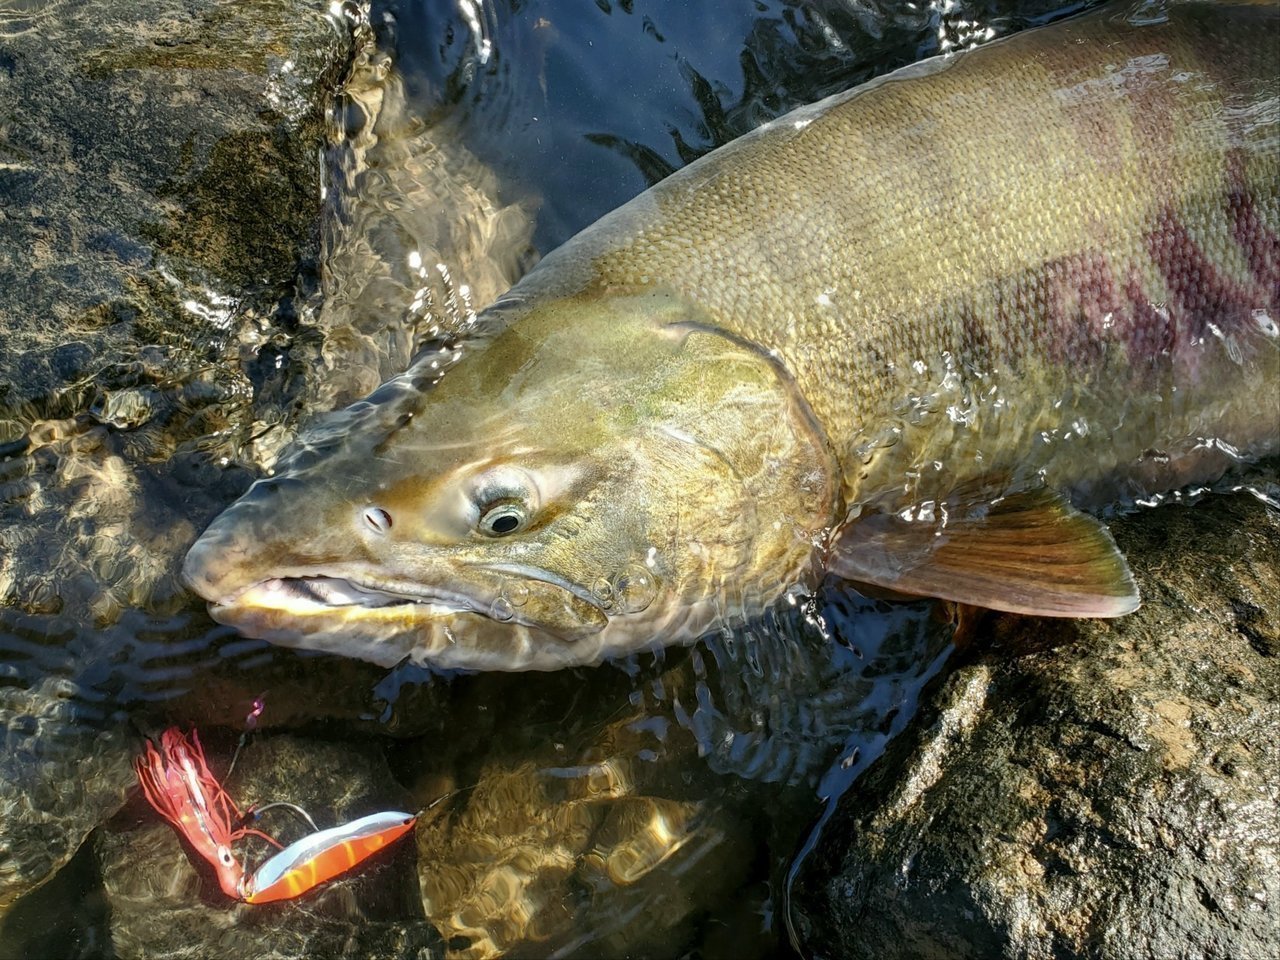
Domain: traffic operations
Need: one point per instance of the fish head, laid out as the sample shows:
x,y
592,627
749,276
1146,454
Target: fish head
x,y
604,475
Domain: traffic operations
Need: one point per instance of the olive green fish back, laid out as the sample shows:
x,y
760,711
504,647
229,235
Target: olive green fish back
x,y
1083,215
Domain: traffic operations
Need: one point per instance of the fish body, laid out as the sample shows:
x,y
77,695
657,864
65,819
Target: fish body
x,y
905,335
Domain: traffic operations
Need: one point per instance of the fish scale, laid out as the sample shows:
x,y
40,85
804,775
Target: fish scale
x,y
904,245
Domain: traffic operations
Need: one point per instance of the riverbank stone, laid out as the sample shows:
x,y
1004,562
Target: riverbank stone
x,y
159,167
1087,788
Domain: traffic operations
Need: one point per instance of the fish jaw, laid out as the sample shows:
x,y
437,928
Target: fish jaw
x,y
362,615
448,630
444,638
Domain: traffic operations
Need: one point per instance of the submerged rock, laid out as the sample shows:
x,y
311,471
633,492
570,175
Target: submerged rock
x,y
547,859
1085,788
417,237
645,817
53,789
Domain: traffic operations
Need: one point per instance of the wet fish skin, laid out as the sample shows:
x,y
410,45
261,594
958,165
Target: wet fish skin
x,y
899,335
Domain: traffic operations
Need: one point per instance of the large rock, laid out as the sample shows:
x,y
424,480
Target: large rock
x,y
158,163
159,199
162,212
1094,788
160,189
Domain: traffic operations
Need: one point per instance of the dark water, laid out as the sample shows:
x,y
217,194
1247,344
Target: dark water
x,y
703,771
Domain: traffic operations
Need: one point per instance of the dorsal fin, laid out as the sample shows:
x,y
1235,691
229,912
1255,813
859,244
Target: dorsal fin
x,y
1029,552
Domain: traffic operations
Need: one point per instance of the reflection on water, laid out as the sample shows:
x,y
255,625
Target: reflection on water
x,y
651,805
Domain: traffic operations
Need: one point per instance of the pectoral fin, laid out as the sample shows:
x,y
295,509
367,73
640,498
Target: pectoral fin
x,y
1025,553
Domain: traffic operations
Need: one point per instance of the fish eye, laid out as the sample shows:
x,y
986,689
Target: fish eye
x,y
502,518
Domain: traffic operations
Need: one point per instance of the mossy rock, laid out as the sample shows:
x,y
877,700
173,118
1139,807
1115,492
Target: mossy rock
x,y
159,167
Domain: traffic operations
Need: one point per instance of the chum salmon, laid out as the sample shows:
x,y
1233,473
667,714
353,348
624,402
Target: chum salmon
x,y
917,335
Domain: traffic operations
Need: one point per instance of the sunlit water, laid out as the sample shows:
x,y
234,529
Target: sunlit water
x,y
655,805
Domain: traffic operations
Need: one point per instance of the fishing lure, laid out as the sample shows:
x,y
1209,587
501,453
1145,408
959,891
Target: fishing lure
x,y
176,781
323,855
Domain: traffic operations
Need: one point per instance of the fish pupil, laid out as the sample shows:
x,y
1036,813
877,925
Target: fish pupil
x,y
504,523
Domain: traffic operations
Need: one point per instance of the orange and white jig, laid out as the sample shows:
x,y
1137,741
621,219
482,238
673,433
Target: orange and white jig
x,y
177,783
323,855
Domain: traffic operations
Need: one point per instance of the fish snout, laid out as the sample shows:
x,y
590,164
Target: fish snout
x,y
213,567
252,538
224,560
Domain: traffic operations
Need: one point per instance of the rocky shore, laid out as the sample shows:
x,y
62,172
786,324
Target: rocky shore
x,y
1092,788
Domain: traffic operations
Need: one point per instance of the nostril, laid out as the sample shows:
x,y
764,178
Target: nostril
x,y
377,519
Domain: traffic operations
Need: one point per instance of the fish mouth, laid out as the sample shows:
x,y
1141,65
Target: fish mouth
x,y
312,593
545,624
304,593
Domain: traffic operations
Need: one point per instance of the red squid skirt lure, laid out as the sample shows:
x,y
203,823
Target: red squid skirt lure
x,y
176,781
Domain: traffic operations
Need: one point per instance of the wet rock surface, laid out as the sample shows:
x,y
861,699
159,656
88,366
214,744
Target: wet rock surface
x,y
161,905
1100,788
158,162
541,858
632,822
159,201
44,817
160,179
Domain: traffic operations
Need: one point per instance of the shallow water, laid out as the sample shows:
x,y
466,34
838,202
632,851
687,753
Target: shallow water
x,y
471,137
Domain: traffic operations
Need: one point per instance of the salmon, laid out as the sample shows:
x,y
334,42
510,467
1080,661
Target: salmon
x,y
918,335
